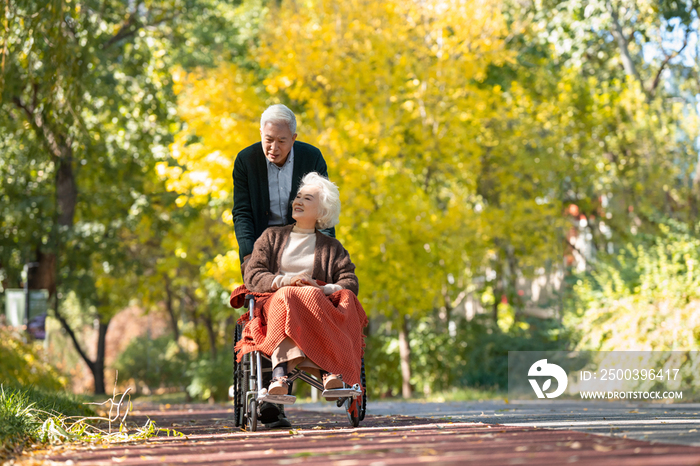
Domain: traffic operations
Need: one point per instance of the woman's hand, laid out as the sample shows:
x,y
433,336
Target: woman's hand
x,y
304,279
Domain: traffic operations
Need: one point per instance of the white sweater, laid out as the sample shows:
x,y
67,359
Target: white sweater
x,y
297,258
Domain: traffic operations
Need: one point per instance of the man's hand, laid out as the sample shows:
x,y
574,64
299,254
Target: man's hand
x,y
304,279
245,262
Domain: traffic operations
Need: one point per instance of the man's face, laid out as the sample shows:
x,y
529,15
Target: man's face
x,y
277,141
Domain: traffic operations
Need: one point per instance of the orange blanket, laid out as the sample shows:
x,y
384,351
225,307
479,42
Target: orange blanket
x,y
328,329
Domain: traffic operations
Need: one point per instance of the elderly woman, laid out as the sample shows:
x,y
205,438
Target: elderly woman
x,y
313,319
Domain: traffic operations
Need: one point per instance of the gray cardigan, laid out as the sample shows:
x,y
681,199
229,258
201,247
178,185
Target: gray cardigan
x,y
332,262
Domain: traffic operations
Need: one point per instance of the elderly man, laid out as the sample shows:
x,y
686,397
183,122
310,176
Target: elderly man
x,y
266,176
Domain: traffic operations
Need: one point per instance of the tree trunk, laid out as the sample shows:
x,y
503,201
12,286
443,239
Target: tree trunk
x,y
45,275
498,268
496,302
98,367
171,310
695,193
405,355
196,336
496,298
66,202
512,291
209,325
66,189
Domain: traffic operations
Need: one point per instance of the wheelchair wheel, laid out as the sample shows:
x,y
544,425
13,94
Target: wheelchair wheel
x,y
363,408
240,384
252,416
356,407
352,407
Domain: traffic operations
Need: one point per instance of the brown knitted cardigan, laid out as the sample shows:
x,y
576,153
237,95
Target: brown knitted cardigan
x,y
332,262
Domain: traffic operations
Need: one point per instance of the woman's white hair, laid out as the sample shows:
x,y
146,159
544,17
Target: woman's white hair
x,y
329,199
279,114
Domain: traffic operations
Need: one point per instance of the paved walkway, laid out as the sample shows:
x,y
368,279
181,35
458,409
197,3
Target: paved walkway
x,y
674,423
323,436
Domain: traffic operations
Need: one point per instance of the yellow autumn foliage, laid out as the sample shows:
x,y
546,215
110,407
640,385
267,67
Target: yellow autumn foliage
x,y
391,93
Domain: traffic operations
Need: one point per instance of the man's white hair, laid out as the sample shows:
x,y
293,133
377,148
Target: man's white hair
x,y
279,114
329,199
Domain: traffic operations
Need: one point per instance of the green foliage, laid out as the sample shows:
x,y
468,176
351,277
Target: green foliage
x,y
23,363
456,394
382,364
86,111
647,297
474,354
211,377
156,363
477,354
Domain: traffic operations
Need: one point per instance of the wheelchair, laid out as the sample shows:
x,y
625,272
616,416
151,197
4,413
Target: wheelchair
x,y
249,393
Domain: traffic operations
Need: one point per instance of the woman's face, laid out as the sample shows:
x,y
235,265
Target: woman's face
x,y
306,206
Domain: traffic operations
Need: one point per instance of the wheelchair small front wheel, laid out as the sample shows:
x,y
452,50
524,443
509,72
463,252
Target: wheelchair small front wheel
x,y
352,407
253,416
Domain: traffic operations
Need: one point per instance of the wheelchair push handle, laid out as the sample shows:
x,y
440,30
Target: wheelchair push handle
x,y
250,299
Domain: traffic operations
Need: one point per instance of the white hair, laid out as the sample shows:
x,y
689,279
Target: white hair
x,y
329,199
279,114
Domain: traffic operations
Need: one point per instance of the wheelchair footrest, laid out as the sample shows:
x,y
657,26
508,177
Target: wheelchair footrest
x,y
277,399
353,391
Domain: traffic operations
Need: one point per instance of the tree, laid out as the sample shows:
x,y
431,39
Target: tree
x,y
639,71
85,116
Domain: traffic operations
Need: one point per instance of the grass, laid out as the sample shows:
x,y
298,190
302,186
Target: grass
x,y
25,414
30,416
467,394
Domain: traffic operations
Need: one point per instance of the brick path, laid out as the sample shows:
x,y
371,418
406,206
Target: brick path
x,y
326,438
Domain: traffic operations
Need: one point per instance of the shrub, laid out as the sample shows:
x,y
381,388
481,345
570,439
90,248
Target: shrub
x,y
475,355
156,363
211,377
382,364
645,298
23,363
159,363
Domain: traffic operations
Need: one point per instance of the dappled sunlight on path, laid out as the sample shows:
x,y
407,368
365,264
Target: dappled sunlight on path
x,y
326,438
